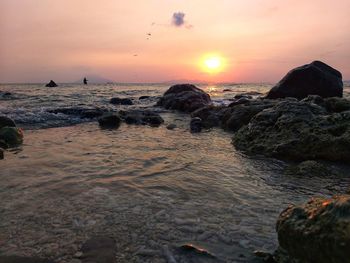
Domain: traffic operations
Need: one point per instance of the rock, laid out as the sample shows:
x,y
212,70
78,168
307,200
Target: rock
x,y
98,250
140,117
19,259
184,97
318,231
11,136
6,122
110,121
121,101
88,113
144,97
337,104
51,84
297,130
3,144
1,154
226,90
196,125
243,96
171,126
309,168
316,78
236,116
210,115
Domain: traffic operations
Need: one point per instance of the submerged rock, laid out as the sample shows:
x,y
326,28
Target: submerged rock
x,y
110,121
144,97
297,130
88,113
184,97
316,78
142,117
1,154
98,250
318,231
309,168
121,101
12,136
196,125
51,84
6,122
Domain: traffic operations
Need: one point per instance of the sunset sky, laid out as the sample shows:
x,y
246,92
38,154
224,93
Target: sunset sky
x,y
162,40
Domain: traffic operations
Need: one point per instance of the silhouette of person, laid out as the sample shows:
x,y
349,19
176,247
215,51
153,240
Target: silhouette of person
x,y
85,81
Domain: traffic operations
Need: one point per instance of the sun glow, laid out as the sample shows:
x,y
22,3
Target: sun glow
x,y
212,64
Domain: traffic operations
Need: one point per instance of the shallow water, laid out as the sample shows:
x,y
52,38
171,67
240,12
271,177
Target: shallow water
x,y
149,188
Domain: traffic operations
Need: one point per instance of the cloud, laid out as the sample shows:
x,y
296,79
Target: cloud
x,y
178,19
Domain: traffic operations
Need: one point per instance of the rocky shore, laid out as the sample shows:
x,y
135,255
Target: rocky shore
x,y
303,119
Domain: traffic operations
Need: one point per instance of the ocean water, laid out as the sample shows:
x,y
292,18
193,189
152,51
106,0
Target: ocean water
x,y
151,189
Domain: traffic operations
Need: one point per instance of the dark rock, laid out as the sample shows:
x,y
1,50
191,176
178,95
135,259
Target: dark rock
x,y
121,101
243,96
210,115
337,104
140,117
109,121
12,136
98,250
297,131
81,112
6,122
239,101
238,115
316,78
227,90
1,154
18,259
184,97
196,125
144,97
3,144
318,231
51,84
171,126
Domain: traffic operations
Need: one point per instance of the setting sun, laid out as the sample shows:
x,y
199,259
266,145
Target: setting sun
x,y
212,63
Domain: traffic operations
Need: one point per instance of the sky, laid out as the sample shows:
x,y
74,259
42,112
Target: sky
x,y
165,40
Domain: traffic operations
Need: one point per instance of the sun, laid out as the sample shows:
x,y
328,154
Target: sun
x,y
212,63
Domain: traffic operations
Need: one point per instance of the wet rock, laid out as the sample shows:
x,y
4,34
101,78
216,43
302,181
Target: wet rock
x,y
316,78
19,259
265,256
144,97
196,125
171,126
51,84
88,113
3,144
297,130
337,104
184,97
111,121
142,117
98,250
309,168
121,101
236,116
243,96
318,231
210,115
6,122
227,90
1,154
12,136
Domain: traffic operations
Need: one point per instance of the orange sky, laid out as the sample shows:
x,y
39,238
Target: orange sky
x,y
260,40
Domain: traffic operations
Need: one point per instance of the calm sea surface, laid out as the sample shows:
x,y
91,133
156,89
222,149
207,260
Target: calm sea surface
x,y
151,189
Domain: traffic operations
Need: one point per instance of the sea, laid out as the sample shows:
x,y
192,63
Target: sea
x,y
152,189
